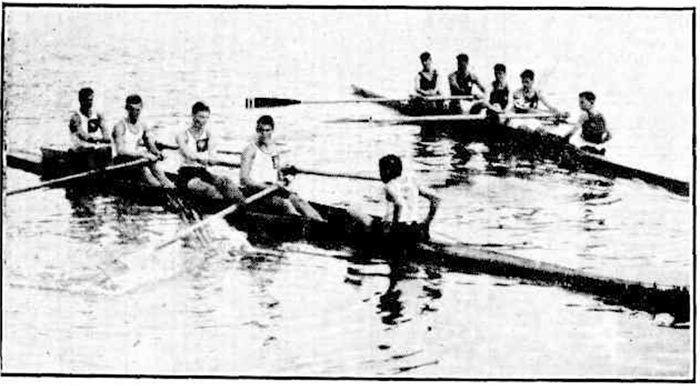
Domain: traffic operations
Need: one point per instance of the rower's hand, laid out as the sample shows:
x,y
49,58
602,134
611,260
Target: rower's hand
x,y
151,157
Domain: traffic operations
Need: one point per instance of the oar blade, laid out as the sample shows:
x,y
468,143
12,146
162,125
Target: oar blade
x,y
263,102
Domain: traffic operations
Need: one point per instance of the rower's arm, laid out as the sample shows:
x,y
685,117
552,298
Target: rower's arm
x,y
213,147
434,202
546,104
395,199
478,84
103,128
417,88
452,80
247,159
150,143
576,127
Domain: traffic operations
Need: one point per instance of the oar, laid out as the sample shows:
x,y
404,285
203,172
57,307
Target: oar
x,y
295,170
223,213
169,146
440,118
262,102
88,173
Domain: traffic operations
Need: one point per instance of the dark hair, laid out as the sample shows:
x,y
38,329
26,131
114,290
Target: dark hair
x,y
266,120
527,74
500,67
587,95
84,93
390,167
424,56
463,58
199,106
133,99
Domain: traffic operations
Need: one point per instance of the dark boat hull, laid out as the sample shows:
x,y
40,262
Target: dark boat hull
x,y
537,144
268,228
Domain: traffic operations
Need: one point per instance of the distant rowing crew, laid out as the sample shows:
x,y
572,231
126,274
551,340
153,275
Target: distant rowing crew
x,y
260,167
526,99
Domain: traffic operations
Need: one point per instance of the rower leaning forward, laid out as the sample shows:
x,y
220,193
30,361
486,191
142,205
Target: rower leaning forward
x,y
401,225
129,134
591,124
197,149
261,168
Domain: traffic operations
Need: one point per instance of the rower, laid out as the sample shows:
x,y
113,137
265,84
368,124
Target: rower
x,y
128,133
197,148
527,99
591,124
461,83
400,223
87,127
426,82
499,95
261,168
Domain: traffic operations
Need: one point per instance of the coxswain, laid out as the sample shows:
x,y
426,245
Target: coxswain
x,y
87,126
401,223
128,134
592,125
261,168
461,83
197,149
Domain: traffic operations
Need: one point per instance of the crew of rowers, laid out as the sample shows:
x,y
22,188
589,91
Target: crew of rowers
x,y
526,99
131,139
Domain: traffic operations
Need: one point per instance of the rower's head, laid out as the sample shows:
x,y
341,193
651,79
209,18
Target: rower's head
x,y
264,127
499,72
133,107
426,60
462,62
390,167
527,78
200,115
586,100
85,98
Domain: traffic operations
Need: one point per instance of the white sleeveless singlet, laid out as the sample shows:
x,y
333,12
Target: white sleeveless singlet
x,y
199,145
407,192
78,142
263,167
132,135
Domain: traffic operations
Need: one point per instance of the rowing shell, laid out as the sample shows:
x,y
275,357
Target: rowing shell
x,y
570,156
264,227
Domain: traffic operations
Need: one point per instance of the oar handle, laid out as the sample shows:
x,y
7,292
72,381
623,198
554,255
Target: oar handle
x,y
88,173
221,214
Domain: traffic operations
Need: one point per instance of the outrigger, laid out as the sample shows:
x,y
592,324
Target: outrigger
x,y
264,227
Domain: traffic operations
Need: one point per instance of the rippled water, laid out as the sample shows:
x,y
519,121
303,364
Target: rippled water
x,y
297,310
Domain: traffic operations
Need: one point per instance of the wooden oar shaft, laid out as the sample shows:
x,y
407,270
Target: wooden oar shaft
x,y
80,175
169,146
221,214
262,102
442,118
332,174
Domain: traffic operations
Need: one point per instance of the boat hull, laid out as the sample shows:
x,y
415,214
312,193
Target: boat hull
x,y
537,144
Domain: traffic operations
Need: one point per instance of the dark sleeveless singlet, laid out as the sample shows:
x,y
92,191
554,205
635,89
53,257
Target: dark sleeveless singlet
x,y
428,84
464,83
499,95
593,129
